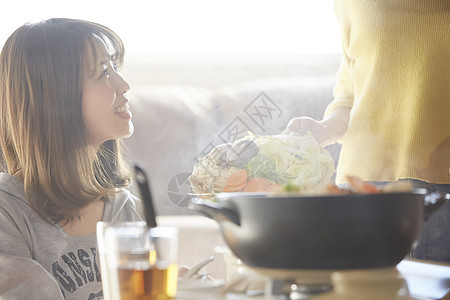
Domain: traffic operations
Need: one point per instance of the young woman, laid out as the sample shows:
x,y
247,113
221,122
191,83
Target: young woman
x,y
391,107
63,113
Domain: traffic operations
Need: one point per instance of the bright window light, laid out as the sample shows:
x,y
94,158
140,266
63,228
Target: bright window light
x,y
199,27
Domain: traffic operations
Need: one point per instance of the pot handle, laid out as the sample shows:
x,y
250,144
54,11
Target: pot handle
x,y
433,202
215,211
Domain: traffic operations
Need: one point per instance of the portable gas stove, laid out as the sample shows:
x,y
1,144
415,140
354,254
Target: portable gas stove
x,y
410,280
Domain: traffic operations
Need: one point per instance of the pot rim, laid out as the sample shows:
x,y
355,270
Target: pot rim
x,y
251,195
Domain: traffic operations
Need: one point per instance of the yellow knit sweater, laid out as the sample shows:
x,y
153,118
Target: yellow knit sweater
x,y
395,76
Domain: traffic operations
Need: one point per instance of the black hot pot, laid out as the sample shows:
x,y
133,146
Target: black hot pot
x,y
321,232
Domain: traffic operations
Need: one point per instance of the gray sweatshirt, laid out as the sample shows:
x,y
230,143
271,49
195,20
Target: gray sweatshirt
x,y
38,260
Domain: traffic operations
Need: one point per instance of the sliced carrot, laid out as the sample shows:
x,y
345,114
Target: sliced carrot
x,y
237,178
231,189
361,186
333,189
257,184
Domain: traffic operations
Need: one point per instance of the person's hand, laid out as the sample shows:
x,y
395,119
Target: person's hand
x,y
303,125
320,131
327,131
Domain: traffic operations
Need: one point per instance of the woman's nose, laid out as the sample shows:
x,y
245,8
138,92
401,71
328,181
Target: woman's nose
x,y
122,85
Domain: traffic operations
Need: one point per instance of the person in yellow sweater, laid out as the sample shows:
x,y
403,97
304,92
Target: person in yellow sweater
x,y
391,107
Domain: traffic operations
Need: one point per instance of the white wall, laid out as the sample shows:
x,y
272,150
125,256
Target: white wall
x,y
196,27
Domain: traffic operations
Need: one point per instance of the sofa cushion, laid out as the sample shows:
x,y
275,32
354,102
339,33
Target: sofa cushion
x,y
165,119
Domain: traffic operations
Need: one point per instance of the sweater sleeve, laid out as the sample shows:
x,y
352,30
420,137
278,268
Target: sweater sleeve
x,y
21,276
24,278
343,90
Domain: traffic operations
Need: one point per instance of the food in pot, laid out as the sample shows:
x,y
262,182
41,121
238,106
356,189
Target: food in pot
x,y
356,185
258,163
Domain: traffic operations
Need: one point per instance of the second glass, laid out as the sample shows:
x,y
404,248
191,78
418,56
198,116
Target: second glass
x,y
138,263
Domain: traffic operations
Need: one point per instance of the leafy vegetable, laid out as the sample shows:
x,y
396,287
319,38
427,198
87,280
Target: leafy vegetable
x,y
284,161
291,158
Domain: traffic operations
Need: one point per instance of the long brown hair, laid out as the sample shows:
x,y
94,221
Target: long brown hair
x,y
42,134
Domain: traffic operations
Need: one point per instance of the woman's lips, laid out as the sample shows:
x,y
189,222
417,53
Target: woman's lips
x,y
123,111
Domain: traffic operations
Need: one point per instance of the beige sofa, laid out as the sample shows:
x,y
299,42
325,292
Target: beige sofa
x,y
184,106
